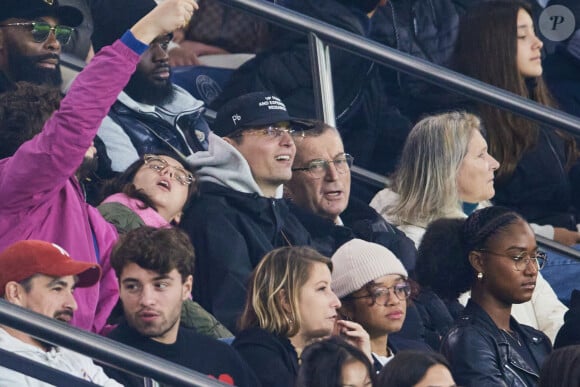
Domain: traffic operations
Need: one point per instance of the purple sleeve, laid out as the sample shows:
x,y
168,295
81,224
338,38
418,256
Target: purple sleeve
x,y
42,165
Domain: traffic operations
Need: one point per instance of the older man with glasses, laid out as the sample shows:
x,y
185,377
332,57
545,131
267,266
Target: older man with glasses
x,y
32,34
238,216
320,185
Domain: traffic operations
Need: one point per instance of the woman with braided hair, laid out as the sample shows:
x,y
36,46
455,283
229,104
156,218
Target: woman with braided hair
x,y
494,254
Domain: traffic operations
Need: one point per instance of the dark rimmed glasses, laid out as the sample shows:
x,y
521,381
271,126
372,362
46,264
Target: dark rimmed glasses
x,y
158,165
523,259
318,168
41,30
380,295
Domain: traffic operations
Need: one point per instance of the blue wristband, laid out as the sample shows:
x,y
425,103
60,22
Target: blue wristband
x,y
133,43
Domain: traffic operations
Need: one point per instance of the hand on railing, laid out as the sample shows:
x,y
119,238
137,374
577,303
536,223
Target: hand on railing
x,y
566,237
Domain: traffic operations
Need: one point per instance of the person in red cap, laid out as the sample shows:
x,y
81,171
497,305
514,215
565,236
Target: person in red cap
x,y
41,276
32,34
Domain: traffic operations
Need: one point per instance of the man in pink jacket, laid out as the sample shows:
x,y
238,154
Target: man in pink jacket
x,y
40,197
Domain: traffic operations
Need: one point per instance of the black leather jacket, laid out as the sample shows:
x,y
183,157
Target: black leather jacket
x,y
480,355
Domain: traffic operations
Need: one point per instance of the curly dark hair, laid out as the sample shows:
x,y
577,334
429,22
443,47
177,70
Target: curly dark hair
x,y
157,249
441,264
23,112
442,259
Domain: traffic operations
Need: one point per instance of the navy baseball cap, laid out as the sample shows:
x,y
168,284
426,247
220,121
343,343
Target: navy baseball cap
x,y
31,9
252,110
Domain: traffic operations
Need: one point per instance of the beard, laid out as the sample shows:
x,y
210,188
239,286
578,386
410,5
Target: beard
x,y
24,68
144,90
156,329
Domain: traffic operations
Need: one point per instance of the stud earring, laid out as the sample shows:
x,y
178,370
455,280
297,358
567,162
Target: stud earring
x,y
479,276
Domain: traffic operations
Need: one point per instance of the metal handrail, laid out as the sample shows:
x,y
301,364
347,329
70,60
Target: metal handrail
x,y
104,350
40,371
558,247
370,178
406,63
322,80
417,67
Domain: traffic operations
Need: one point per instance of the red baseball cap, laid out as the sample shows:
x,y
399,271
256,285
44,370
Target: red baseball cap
x,y
24,259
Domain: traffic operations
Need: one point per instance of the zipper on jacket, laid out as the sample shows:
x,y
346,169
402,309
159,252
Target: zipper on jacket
x,y
528,371
284,236
516,374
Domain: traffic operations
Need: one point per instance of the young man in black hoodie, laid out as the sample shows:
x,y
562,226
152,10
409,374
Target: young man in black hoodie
x,y
154,269
239,215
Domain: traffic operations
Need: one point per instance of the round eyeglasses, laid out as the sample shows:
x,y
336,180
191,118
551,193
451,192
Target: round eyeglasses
x,y
158,165
523,259
41,30
380,295
318,168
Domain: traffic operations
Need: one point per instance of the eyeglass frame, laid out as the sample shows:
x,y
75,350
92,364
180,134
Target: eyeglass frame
x,y
519,258
402,285
52,29
149,157
326,165
267,130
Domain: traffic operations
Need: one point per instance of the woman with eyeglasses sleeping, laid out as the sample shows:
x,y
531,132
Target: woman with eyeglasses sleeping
x,y
373,288
153,191
494,253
